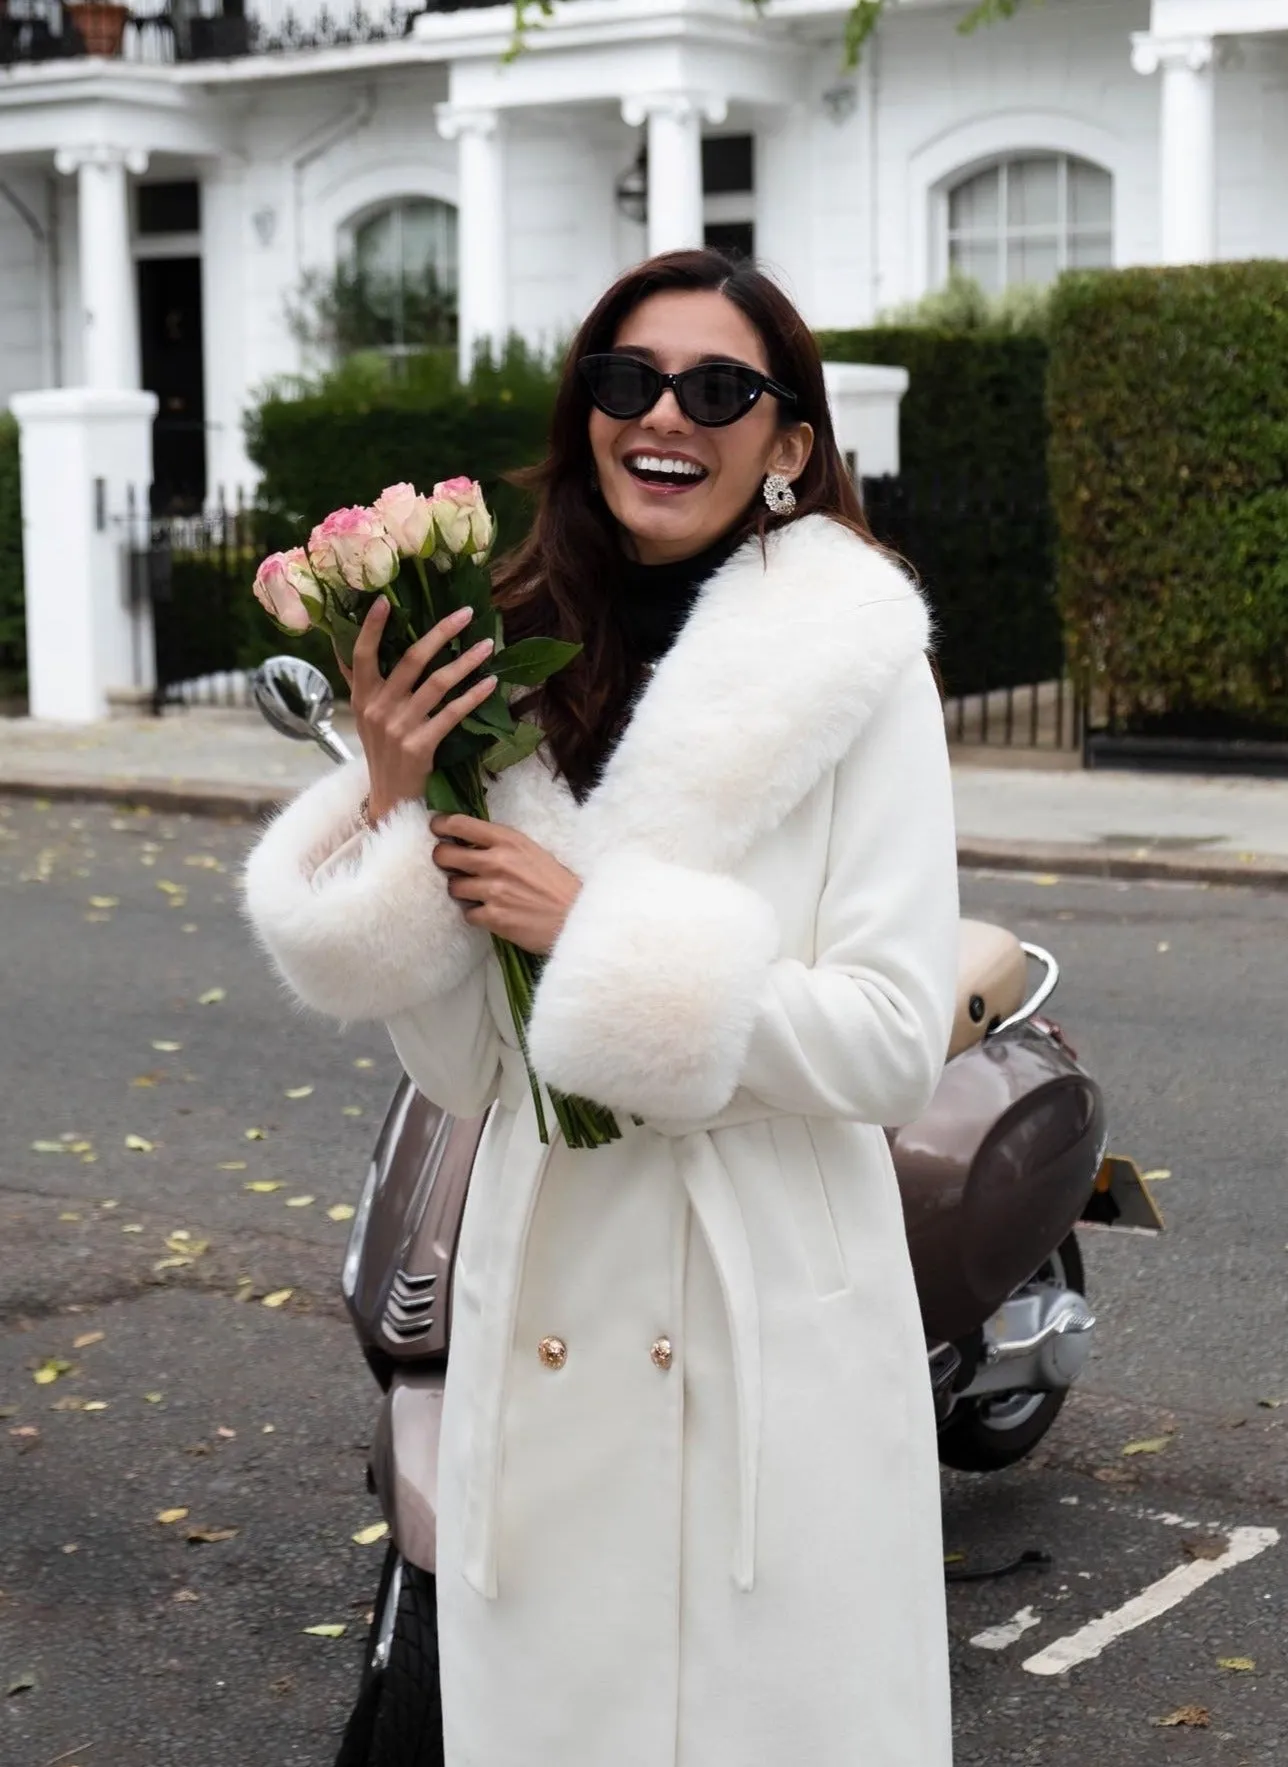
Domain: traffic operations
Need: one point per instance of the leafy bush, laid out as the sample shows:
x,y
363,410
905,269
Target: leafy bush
x,y
1168,401
970,511
13,630
965,305
370,423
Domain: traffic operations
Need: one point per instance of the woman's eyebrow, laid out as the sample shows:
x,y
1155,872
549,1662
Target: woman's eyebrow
x,y
646,355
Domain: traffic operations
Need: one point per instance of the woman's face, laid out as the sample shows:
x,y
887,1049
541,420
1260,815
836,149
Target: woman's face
x,y
676,330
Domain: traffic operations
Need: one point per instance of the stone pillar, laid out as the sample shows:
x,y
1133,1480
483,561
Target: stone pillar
x,y
674,122
1187,143
84,452
109,308
480,227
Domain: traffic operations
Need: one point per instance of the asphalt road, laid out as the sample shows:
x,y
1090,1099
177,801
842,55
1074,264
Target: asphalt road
x,y
122,1642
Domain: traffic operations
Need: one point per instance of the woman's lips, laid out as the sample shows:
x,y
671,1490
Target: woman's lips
x,y
683,472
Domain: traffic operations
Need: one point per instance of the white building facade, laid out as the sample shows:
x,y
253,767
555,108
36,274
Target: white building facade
x,y
160,204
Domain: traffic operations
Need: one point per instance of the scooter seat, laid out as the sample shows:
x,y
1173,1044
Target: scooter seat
x,y
992,974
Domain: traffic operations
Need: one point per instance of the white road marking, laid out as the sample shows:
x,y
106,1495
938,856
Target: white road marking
x,y
1090,1640
1003,1636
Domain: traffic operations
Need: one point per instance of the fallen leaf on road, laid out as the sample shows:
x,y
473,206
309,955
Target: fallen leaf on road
x,y
171,889
341,1212
351,1110
278,1298
299,1092
270,1429
167,1516
210,1536
154,1398
231,1166
1157,1175
172,1263
325,1631
369,1536
105,901
110,1203
211,997
167,1048
49,1147
263,1186
71,1546
299,1202
206,861
185,1595
1163,946
137,1144
1197,1717
364,1061
144,1080
1046,879
21,1684
1155,1445
182,1241
69,1215
132,1227
50,1370
27,1431
1270,1404
1205,1545
8,1411
255,1135
1239,1665
87,1338
227,1434
95,1405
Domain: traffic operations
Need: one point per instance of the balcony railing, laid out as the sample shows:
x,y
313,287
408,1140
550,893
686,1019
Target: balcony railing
x,y
50,30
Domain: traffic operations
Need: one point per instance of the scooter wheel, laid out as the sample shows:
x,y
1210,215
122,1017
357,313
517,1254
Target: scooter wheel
x,y
397,1720
988,1435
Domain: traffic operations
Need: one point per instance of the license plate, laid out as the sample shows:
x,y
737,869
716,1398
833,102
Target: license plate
x,y
1122,1198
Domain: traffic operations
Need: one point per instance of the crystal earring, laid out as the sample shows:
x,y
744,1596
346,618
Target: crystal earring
x,y
778,494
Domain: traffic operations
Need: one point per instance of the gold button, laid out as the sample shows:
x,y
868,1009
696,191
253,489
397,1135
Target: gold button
x,y
661,1352
552,1352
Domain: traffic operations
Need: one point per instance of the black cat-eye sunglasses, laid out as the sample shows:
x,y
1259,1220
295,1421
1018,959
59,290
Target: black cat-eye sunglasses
x,y
712,394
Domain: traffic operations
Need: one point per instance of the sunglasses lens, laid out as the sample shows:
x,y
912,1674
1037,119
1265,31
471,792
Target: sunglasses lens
x,y
619,385
718,392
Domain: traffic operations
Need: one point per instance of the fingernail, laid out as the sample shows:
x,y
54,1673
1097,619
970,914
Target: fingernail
x,y
461,617
488,681
483,646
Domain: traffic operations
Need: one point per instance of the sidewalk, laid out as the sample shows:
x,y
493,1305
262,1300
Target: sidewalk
x,y
1105,823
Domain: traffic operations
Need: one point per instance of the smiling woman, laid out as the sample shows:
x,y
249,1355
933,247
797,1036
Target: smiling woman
x,y
687,1479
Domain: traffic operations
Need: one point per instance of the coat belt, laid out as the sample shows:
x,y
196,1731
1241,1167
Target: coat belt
x,y
714,1202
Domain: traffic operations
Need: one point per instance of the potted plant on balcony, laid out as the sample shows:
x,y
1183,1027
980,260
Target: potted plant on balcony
x,y
100,25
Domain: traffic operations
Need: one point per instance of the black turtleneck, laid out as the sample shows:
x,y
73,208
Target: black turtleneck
x,y
652,601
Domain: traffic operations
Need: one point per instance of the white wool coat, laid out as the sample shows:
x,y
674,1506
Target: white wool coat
x,y
733,1560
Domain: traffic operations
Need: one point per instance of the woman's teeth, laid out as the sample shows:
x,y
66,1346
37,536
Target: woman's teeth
x,y
664,469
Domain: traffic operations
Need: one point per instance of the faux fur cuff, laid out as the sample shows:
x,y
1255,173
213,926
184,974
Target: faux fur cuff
x,y
649,998
374,932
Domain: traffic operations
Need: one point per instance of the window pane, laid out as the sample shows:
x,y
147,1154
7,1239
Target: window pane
x,y
1032,193
1090,195
1031,260
377,245
973,206
1091,251
727,165
429,243
977,259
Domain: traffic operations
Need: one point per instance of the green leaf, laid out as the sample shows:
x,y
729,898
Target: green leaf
x,y
493,714
441,795
527,739
533,660
458,748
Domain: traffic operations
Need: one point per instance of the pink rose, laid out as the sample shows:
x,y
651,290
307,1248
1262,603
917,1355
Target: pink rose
x,y
408,517
352,549
282,587
462,521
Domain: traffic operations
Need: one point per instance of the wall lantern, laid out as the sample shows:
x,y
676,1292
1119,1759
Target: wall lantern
x,y
630,192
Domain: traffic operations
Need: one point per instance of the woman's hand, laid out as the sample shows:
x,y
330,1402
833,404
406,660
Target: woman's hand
x,y
506,883
399,729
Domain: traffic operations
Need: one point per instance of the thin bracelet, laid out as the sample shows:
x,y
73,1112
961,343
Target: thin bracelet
x,y
364,813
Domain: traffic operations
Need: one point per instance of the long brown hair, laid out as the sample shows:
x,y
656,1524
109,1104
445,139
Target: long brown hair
x,y
553,583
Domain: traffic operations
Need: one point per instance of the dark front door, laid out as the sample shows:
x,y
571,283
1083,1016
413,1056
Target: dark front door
x,y
170,349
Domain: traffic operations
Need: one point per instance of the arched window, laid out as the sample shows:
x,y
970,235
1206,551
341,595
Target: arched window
x,y
1025,219
404,265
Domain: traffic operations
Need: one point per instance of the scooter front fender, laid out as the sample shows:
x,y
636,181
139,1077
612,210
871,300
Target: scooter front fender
x,y
404,1461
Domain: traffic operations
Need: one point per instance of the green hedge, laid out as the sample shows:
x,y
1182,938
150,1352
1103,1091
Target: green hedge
x,y
13,631
1168,403
342,441
971,510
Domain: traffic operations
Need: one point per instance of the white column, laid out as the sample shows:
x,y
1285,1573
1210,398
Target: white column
x,y
1187,143
674,162
480,227
84,452
109,307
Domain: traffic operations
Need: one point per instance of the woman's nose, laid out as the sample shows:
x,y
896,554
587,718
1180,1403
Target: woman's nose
x,y
666,415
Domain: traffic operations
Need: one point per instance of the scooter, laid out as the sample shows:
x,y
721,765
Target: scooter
x,y
996,1176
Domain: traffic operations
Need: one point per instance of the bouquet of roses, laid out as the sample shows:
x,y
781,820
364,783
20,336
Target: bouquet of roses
x,y
445,538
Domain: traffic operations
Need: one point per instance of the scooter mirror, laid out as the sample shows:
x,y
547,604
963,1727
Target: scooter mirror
x,y
295,698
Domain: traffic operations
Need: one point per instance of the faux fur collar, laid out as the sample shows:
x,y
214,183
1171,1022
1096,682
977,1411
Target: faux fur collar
x,y
779,666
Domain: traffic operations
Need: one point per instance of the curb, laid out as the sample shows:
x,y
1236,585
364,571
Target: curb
x,y
1069,860
249,803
